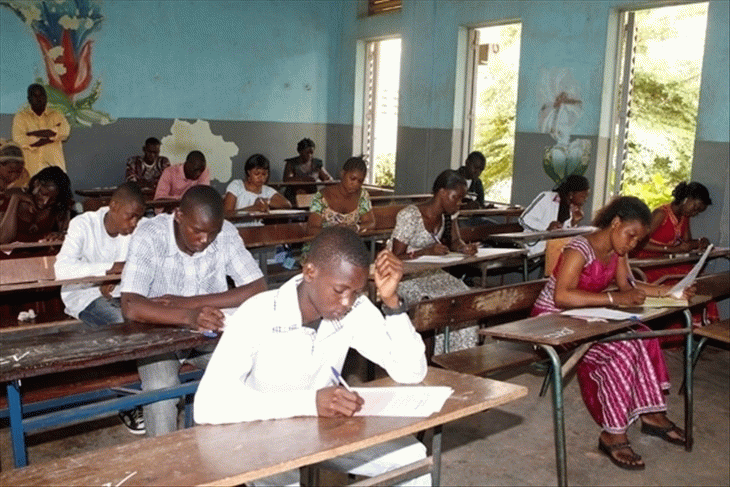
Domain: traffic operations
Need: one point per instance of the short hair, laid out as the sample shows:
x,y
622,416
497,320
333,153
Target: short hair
x,y
355,163
627,208
449,179
55,175
129,192
35,86
256,161
692,190
572,184
152,141
195,156
476,157
205,198
305,143
338,243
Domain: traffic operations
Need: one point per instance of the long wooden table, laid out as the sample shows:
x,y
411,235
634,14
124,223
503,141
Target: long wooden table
x,y
239,453
529,236
40,351
553,330
675,259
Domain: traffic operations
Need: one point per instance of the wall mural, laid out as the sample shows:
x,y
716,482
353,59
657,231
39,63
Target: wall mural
x,y
562,107
63,30
185,137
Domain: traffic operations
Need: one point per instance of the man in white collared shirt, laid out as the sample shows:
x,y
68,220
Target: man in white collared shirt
x,y
275,358
96,244
176,275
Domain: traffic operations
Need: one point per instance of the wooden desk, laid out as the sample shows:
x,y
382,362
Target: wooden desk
x,y
528,236
282,184
242,216
399,199
488,255
240,453
674,259
549,331
507,212
30,245
36,352
37,273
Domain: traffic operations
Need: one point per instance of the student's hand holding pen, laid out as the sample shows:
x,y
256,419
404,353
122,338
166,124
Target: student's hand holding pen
x,y
469,248
336,401
261,205
206,318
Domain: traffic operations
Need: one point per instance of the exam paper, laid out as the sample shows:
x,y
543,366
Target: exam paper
x,y
678,289
599,314
438,259
407,401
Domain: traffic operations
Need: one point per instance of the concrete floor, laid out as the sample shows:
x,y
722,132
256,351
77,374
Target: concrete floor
x,y
513,445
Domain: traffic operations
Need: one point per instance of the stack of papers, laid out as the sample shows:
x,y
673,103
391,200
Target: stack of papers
x,y
407,401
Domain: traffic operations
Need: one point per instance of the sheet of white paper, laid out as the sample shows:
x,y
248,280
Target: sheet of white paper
x,y
438,259
599,313
407,401
489,252
678,289
285,211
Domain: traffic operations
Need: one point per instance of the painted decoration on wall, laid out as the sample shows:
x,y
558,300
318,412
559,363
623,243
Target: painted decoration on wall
x,y
63,30
561,109
186,137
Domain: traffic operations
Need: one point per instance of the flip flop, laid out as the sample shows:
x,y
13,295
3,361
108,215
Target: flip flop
x,y
610,449
663,432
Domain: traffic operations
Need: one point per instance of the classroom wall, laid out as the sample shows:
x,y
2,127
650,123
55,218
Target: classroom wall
x,y
258,71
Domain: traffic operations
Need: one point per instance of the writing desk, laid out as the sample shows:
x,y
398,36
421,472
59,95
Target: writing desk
x,y
30,245
549,331
34,273
530,236
239,453
505,211
488,255
36,352
674,259
107,192
242,216
393,199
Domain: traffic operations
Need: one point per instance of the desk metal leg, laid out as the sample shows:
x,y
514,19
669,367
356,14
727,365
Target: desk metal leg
x,y
558,415
688,386
436,455
17,434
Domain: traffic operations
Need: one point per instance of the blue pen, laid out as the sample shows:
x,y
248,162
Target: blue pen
x,y
340,379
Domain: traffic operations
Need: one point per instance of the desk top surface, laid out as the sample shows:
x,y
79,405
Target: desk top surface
x,y
672,259
487,254
528,236
222,454
32,352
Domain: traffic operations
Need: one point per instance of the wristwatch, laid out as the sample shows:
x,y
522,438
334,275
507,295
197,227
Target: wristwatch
x,y
401,308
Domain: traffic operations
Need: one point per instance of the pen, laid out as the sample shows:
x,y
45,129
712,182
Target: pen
x,y
341,380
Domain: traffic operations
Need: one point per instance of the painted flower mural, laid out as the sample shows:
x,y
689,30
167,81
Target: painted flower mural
x,y
63,31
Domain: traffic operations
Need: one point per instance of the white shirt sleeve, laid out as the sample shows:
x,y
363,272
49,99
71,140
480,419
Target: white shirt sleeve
x,y
224,397
391,342
541,212
70,262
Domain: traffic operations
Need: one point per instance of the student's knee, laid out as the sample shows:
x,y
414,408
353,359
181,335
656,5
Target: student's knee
x,y
159,372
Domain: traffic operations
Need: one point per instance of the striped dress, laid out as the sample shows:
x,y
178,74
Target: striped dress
x,y
619,380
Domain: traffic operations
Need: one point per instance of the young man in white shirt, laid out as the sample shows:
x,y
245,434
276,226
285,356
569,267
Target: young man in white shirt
x,y
275,358
176,275
96,244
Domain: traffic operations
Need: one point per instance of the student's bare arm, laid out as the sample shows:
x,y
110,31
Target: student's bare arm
x,y
136,307
232,298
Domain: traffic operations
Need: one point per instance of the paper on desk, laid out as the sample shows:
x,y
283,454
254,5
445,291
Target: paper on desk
x,y
438,259
407,401
599,314
678,289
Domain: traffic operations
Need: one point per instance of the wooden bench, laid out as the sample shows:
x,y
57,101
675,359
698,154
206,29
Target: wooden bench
x,y
503,303
717,331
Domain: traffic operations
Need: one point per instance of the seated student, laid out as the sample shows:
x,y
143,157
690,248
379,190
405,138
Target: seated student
x,y
175,275
472,168
670,233
303,167
550,210
96,244
253,193
45,215
12,167
620,381
177,179
346,203
146,170
429,229
275,358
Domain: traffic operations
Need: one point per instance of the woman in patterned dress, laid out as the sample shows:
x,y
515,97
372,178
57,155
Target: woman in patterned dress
x,y
429,229
346,203
624,380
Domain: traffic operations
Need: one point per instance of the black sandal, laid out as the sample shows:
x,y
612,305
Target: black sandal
x,y
610,449
663,432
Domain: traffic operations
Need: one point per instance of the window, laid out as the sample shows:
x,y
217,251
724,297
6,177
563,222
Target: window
x,y
658,67
490,104
380,109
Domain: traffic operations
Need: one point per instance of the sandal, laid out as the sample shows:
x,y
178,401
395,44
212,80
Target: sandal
x,y
634,458
663,432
